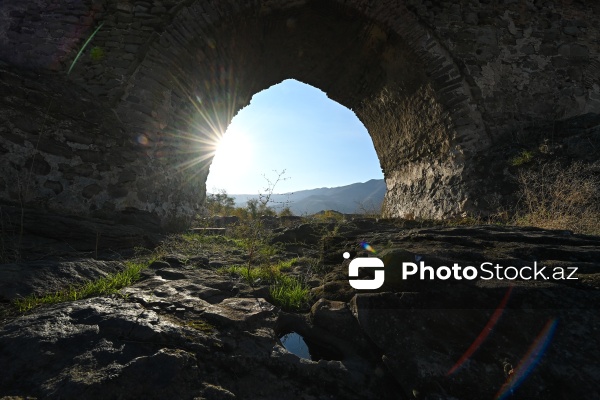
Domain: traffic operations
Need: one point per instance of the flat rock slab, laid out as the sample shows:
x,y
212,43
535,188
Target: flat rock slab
x,y
193,289
237,310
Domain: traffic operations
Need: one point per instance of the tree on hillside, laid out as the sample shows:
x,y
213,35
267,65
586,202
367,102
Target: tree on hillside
x,y
220,203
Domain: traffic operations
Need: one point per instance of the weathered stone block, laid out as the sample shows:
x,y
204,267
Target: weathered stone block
x,y
91,190
38,165
117,191
55,186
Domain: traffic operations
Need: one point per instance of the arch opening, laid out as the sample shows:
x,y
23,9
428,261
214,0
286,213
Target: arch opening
x,y
294,127
377,74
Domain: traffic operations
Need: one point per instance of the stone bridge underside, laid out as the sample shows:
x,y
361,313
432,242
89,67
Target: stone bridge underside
x,y
439,85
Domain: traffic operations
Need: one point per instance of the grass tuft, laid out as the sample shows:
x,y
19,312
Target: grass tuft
x,y
290,293
109,284
261,274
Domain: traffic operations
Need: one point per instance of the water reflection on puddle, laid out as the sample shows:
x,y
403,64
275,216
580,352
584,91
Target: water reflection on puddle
x,y
295,344
304,348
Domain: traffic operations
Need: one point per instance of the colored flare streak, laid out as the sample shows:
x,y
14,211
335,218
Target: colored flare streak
x,y
529,360
484,333
368,247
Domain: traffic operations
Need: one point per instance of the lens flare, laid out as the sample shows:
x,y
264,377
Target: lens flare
x,y
487,329
367,247
143,140
83,47
529,360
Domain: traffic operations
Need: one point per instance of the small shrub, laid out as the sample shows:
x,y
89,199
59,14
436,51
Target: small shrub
x,y
254,239
317,267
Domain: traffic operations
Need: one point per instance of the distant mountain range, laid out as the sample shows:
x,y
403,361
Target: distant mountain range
x,y
349,199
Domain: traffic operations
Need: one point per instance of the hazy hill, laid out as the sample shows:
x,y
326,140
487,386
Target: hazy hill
x,y
345,199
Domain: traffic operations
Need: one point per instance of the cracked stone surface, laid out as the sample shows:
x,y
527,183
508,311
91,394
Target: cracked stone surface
x,y
189,331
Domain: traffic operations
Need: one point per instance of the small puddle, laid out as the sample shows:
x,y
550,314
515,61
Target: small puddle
x,y
295,344
303,348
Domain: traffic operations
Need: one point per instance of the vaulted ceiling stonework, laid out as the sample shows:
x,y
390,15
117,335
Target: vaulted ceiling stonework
x,y
110,106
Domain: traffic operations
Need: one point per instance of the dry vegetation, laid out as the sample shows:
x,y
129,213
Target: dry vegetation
x,y
554,197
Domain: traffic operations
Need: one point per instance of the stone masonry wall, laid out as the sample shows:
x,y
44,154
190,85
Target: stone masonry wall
x,y
439,85
525,61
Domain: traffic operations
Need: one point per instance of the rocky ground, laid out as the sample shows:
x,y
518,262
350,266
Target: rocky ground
x,y
188,330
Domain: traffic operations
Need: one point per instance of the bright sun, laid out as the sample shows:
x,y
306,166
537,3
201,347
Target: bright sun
x,y
233,151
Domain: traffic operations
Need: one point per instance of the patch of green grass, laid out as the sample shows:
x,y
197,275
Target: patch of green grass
x,y
290,293
286,265
260,274
523,158
209,239
191,243
109,284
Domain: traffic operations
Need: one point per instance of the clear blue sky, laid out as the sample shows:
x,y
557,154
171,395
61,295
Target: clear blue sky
x,y
296,127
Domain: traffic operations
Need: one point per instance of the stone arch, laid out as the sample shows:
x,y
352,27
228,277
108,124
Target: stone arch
x,y
399,81
429,82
